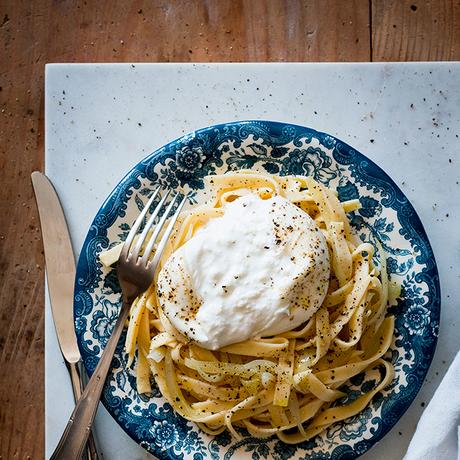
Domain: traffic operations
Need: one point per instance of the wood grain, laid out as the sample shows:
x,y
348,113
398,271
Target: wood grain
x,y
33,33
411,30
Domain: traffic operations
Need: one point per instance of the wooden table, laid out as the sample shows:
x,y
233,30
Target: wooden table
x,y
35,33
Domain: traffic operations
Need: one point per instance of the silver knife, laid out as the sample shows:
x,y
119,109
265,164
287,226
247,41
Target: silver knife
x,y
60,272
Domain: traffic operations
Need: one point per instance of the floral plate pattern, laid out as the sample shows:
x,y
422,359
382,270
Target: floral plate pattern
x,y
277,148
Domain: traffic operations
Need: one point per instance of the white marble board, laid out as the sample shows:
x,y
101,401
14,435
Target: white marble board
x,y
102,119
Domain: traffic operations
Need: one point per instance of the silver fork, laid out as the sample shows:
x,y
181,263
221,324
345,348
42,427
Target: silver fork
x,y
135,273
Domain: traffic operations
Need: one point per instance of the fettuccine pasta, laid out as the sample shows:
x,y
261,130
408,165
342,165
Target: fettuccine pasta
x,y
288,385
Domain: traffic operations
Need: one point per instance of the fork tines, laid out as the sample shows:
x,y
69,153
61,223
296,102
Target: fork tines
x,y
132,251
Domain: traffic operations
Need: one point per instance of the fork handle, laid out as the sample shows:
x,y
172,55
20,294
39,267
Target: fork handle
x,y
73,440
91,446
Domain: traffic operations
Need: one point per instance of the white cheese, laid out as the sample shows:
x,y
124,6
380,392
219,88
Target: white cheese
x,y
259,270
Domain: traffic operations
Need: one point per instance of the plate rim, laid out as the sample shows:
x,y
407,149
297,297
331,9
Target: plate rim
x,y
435,303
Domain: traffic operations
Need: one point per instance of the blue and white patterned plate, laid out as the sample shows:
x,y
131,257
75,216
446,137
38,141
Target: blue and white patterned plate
x,y
277,148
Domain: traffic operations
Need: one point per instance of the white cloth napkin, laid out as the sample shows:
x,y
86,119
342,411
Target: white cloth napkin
x,y
438,432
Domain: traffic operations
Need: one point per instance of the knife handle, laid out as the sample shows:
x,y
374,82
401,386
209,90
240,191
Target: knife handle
x,y
73,440
77,378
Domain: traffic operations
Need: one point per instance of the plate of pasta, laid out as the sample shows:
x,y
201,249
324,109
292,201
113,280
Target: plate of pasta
x,y
295,311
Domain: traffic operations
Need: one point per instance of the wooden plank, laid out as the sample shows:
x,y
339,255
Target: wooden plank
x,y
414,30
33,33
21,258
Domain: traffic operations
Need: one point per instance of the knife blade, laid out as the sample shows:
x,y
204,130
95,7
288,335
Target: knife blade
x,y
60,264
60,273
